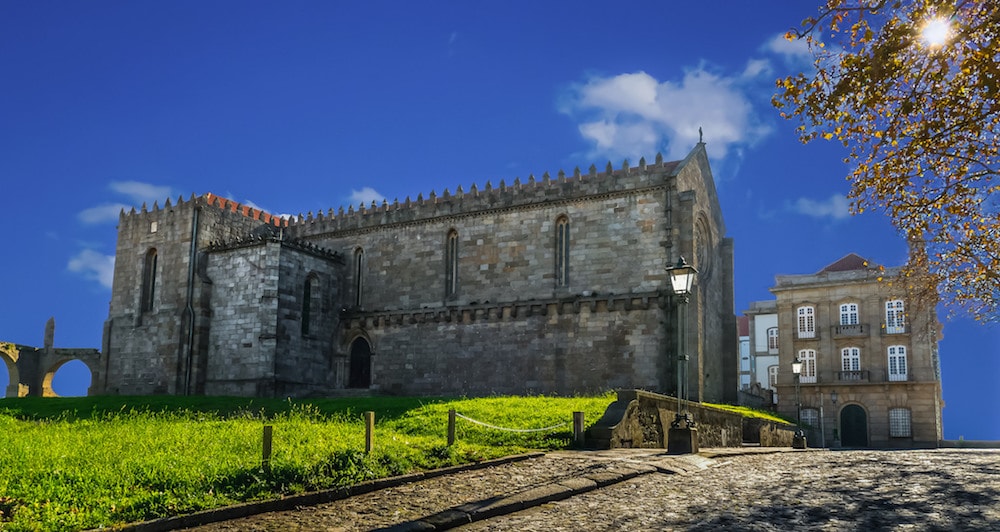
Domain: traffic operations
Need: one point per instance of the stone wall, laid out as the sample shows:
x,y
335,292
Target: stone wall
x,y
641,419
561,348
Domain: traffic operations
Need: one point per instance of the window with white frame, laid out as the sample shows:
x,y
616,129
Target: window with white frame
x,y
807,322
850,363
772,376
849,314
895,317
810,416
808,359
772,340
897,363
899,423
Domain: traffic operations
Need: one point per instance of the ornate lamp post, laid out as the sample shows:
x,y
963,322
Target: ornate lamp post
x,y
799,440
836,420
682,439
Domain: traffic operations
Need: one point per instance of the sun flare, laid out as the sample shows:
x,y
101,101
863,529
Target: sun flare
x,y
936,31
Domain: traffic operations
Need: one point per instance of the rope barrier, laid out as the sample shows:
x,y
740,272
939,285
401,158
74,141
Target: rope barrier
x,y
477,422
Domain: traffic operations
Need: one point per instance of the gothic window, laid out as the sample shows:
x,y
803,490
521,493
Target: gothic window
x,y
897,362
451,264
808,359
850,363
149,280
772,340
562,251
807,322
359,268
309,299
895,317
899,423
849,314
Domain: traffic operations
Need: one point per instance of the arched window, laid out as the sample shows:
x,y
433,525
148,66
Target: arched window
x,y
899,423
772,340
849,314
895,317
451,264
850,364
897,363
808,359
310,297
772,377
359,269
149,281
562,251
807,322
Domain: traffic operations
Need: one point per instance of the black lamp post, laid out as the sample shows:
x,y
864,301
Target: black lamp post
x,y
836,419
681,440
799,440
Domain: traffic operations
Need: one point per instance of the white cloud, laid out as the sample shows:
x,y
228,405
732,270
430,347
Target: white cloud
x,y
756,68
633,115
102,213
366,195
137,194
795,52
836,206
94,266
141,192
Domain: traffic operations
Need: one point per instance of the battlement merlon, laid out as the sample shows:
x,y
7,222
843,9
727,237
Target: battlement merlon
x,y
519,194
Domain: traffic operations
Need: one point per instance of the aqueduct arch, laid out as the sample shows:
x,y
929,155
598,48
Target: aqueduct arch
x,y
31,369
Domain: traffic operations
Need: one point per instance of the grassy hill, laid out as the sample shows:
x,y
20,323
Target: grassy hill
x,y
87,462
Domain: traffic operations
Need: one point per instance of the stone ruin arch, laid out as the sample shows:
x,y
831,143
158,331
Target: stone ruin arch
x,y
31,369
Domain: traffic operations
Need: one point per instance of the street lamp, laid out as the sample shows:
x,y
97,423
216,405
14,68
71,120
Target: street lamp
x,y
681,440
836,420
799,440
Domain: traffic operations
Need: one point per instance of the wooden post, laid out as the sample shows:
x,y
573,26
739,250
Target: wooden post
x,y
265,462
369,431
451,427
578,428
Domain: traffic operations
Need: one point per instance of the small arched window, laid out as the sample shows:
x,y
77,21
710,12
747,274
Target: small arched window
x,y
359,269
451,264
149,281
309,292
562,251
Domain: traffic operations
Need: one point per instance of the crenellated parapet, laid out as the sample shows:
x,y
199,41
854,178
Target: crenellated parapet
x,y
292,243
205,200
518,194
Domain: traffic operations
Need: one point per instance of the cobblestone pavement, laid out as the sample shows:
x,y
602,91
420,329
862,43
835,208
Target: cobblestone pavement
x,y
647,490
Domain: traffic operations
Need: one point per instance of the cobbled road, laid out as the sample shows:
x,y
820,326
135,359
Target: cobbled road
x,y
813,490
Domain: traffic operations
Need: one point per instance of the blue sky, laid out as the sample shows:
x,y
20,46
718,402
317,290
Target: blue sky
x,y
303,106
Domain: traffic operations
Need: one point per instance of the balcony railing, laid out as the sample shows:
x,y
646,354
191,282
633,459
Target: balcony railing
x,y
862,376
855,376
895,329
857,329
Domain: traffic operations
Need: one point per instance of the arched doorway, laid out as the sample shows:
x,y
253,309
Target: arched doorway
x,y
854,426
361,364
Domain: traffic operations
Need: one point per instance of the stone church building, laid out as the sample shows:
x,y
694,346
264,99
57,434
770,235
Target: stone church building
x,y
554,285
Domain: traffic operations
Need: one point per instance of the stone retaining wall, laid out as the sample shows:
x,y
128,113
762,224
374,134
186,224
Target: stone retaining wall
x,y
641,419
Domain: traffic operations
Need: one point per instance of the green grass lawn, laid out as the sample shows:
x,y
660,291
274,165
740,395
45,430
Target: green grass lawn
x,y
87,462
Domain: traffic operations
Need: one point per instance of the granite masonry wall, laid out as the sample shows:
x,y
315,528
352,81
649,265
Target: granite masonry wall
x,y
233,322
